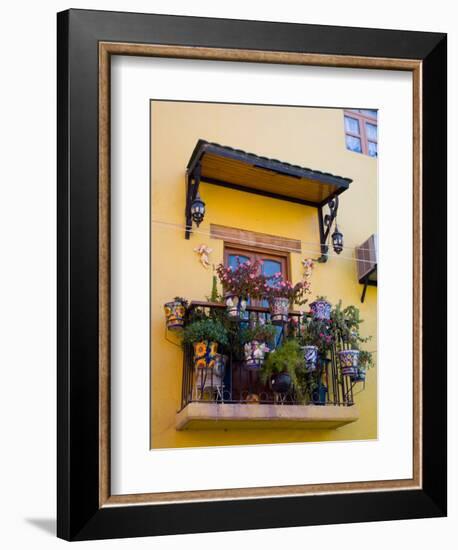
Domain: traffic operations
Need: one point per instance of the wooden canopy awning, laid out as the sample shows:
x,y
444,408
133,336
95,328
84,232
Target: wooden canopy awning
x,y
237,169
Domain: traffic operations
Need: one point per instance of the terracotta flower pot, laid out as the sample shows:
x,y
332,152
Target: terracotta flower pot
x,y
281,382
175,312
311,357
321,309
235,305
205,355
255,353
279,310
349,361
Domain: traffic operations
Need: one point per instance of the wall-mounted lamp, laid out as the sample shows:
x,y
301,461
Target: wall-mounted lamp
x,y
337,240
197,210
326,222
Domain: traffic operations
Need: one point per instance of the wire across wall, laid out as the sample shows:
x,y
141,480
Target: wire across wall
x,y
309,245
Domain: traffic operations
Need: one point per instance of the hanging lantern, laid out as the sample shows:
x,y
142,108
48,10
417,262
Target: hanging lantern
x,y
337,240
197,210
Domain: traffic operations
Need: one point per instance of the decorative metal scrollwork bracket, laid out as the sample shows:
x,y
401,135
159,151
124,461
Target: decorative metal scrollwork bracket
x,y
192,187
325,222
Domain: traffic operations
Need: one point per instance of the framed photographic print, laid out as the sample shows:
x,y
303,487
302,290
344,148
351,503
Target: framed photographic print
x,y
251,332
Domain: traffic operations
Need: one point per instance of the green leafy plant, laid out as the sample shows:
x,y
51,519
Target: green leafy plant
x,y
345,325
276,287
286,358
215,296
181,300
210,330
366,360
316,332
260,332
244,281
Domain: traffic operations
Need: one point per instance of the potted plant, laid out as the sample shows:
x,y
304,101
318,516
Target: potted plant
x,y
316,338
349,361
205,335
282,295
239,284
320,394
281,366
256,341
321,308
345,327
366,361
175,312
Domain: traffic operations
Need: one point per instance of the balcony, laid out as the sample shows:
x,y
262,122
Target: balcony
x,y
233,397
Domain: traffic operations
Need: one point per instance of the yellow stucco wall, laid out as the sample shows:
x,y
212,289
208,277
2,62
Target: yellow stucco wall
x,y
304,136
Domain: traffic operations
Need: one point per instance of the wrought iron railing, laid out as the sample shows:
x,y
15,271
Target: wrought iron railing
x,y
229,381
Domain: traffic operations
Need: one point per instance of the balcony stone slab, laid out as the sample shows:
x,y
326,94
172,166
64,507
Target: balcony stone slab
x,y
255,416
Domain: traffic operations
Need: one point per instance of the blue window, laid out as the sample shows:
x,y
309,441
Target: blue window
x,y
361,131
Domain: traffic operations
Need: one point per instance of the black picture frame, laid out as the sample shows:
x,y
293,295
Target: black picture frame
x,y
79,515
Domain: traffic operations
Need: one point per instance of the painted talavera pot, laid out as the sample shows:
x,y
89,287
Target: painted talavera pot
x,y
311,357
205,355
279,310
349,361
212,377
255,353
321,309
175,312
235,305
360,376
281,382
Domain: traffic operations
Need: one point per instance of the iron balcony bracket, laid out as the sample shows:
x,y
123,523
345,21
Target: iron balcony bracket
x,y
325,222
192,188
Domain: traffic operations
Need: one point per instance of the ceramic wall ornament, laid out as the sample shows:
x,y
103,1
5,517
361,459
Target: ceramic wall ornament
x,y
204,252
308,265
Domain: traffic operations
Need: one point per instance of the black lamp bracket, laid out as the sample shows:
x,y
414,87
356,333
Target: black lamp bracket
x,y
325,222
192,188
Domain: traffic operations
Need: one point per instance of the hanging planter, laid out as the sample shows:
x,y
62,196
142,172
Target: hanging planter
x,y
311,357
360,376
175,312
279,310
321,309
204,336
235,306
205,354
280,382
349,361
255,353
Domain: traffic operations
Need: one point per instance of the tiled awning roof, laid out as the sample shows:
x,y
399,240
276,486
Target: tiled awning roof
x,y
237,169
